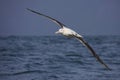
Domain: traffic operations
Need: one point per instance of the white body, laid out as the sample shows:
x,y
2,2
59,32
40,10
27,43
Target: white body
x,y
68,32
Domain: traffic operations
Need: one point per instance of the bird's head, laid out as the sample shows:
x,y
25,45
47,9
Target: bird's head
x,y
60,31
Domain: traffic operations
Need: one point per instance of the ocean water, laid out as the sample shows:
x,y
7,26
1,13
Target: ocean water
x,y
58,58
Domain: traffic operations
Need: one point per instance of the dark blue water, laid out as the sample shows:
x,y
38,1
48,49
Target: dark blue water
x,y
58,58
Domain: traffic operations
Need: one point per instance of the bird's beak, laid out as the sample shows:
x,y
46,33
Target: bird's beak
x,y
57,32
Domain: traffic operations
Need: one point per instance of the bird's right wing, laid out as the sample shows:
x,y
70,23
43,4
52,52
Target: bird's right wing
x,y
92,51
54,20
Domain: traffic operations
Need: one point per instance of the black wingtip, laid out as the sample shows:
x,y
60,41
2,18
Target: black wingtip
x,y
109,69
29,9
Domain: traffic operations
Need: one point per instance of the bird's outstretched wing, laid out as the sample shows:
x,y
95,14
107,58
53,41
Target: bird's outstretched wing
x,y
54,20
92,51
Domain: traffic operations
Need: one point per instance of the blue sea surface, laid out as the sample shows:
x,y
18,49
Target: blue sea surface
x,y
58,58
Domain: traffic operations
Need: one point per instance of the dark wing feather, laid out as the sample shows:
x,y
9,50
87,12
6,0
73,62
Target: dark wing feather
x,y
92,51
54,20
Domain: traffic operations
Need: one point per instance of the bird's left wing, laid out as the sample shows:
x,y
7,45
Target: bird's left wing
x,y
54,20
92,51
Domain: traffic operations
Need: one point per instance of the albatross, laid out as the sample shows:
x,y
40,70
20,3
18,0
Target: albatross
x,y
71,33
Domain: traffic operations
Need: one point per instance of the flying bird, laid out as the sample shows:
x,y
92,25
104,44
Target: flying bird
x,y
71,33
